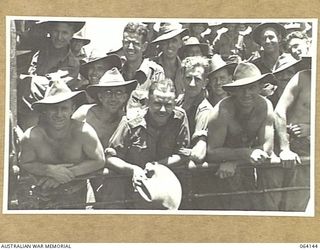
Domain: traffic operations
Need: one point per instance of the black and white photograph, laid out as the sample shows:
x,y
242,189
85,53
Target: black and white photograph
x,y
160,116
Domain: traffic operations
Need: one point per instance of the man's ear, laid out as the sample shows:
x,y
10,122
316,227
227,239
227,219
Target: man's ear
x,y
144,46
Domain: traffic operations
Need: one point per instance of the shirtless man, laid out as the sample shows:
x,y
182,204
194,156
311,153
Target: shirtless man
x,y
292,122
59,149
240,131
111,95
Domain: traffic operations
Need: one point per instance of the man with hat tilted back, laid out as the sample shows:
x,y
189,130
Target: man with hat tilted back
x,y
158,135
170,41
240,131
269,36
55,53
219,75
111,95
59,149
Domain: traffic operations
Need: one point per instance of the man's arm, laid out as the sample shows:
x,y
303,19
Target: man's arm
x,y
117,149
30,162
287,99
266,131
93,150
183,142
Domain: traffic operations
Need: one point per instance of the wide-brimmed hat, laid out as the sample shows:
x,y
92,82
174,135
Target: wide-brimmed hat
x,y
193,41
161,187
286,61
168,31
111,60
47,25
247,73
217,63
112,78
80,37
256,33
59,92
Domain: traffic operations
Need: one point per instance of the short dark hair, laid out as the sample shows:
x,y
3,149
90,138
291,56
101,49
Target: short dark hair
x,y
137,28
195,61
162,85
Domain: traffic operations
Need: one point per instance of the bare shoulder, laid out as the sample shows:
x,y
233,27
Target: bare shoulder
x,y
223,110
33,134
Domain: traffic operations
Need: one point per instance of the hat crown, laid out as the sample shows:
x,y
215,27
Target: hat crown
x,y
168,27
57,88
191,41
246,70
111,76
217,62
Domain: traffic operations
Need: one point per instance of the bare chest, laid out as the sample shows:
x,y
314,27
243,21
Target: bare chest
x,y
66,150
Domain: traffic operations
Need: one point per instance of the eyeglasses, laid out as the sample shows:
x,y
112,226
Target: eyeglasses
x,y
117,94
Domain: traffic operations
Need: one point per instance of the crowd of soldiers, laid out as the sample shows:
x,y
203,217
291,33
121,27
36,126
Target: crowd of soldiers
x,y
199,95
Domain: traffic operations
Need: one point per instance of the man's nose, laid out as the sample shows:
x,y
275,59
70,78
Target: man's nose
x,y
192,82
130,45
163,108
59,35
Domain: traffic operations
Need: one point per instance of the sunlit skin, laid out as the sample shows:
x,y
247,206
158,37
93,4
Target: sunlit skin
x,y
217,80
298,47
192,50
171,46
133,46
61,35
58,116
194,81
161,105
270,40
246,97
96,70
113,99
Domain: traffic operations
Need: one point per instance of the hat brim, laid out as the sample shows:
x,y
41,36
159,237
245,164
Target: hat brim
x,y
84,40
113,60
48,24
94,89
256,33
170,34
229,66
265,78
78,96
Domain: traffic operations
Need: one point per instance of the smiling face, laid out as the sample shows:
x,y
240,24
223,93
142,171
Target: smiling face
x,y
217,80
161,105
171,46
113,99
270,40
96,70
298,47
194,81
58,116
133,46
246,96
61,35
